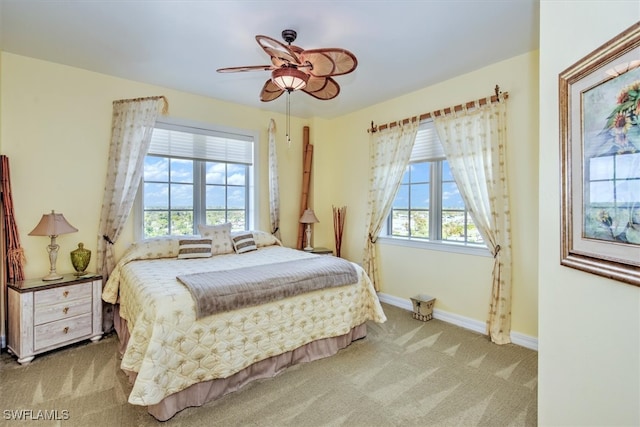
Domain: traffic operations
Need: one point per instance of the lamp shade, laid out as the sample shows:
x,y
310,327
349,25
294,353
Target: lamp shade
x,y
289,78
308,217
53,224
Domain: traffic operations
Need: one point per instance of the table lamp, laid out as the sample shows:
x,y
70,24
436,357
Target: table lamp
x,y
308,217
52,225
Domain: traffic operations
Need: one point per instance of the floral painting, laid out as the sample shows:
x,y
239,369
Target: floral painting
x,y
599,108
611,130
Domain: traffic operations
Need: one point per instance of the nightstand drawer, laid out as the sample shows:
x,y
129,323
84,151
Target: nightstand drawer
x,y
62,310
54,333
60,294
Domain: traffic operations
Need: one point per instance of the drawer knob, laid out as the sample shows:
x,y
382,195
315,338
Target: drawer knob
x,y
65,310
66,329
65,294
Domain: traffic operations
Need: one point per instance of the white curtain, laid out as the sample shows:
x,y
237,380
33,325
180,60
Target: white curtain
x,y
389,154
274,186
474,141
131,128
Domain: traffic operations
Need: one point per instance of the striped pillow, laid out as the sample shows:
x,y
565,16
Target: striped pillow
x,y
244,243
194,248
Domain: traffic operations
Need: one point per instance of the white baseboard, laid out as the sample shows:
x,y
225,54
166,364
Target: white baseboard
x,y
523,340
517,338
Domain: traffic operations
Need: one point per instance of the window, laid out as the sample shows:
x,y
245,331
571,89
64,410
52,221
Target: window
x,y
194,175
428,206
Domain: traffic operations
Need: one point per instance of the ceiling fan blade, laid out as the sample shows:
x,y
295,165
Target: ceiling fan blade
x,y
246,68
330,61
270,91
322,88
280,53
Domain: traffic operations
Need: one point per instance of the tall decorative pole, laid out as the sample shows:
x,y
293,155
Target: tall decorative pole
x,y
307,159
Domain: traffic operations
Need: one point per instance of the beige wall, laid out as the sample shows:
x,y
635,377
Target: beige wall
x,y
1,102
589,345
460,283
56,127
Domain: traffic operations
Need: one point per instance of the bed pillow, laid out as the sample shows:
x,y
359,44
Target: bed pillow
x,y
243,243
194,247
220,236
153,248
262,238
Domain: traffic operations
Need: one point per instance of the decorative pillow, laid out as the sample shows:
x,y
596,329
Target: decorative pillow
x,y
220,236
194,248
244,243
262,238
153,248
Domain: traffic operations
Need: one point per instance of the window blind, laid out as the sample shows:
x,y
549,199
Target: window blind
x,y
201,144
427,145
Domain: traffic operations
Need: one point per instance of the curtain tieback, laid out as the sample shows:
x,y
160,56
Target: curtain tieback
x,y
105,237
496,250
275,230
372,239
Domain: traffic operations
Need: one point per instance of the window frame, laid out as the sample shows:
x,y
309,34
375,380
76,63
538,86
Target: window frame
x,y
200,212
434,242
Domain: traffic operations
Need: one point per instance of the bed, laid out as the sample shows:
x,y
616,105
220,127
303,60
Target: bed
x,y
177,357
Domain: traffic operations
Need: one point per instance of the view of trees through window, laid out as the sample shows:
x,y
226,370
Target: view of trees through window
x,y
429,206
180,193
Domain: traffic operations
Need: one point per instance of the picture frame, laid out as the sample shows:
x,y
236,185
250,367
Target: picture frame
x,y
599,110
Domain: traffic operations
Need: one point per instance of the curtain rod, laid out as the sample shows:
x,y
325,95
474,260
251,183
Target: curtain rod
x,y
165,107
448,110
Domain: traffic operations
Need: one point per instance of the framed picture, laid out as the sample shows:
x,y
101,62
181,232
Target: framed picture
x,y
600,160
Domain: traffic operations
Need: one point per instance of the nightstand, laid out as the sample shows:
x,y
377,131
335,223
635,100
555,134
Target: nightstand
x,y
321,251
43,316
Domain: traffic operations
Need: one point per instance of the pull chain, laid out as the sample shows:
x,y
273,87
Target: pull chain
x,y
289,118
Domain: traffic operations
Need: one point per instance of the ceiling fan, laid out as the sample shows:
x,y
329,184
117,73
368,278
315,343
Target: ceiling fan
x,y
293,68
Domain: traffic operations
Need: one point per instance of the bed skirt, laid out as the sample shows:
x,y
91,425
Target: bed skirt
x,y
201,393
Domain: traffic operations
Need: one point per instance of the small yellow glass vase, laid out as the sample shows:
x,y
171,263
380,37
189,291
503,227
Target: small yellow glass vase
x,y
80,259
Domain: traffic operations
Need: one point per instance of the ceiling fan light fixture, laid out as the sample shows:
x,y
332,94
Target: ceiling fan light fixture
x,y
289,78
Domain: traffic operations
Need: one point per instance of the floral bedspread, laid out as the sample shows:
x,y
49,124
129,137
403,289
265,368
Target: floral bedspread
x,y
171,350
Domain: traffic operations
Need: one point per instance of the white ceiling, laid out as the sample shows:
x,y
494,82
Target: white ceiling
x,y
401,45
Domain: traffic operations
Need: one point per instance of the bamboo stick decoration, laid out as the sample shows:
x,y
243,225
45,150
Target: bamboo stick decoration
x,y
307,159
14,251
338,226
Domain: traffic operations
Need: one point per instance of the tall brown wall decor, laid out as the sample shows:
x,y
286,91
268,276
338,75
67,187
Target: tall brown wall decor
x,y
307,160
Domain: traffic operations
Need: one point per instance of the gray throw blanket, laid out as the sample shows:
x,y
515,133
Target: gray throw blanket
x,y
225,290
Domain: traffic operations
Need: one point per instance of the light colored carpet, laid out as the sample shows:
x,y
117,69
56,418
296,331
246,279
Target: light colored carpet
x,y
404,373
